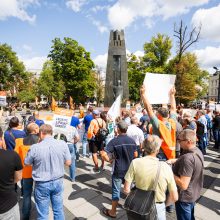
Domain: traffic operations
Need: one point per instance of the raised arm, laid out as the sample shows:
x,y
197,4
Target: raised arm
x,y
146,102
172,100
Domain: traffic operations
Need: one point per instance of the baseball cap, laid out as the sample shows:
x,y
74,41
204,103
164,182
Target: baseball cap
x,y
95,112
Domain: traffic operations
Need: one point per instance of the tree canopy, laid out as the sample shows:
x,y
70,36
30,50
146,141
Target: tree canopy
x,y
12,71
72,65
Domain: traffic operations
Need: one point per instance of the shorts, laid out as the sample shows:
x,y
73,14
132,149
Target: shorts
x,y
116,188
95,146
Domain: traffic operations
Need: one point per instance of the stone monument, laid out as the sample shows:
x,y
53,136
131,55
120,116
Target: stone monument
x,y
116,72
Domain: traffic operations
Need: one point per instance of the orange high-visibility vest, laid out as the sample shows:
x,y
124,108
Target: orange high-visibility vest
x,y
169,138
22,150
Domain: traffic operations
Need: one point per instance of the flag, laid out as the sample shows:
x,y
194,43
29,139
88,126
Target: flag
x,y
115,109
71,103
53,104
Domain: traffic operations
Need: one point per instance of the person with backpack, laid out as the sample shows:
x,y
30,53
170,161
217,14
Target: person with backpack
x,y
216,130
209,126
96,128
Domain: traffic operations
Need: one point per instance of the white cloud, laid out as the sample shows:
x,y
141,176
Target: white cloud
x,y
208,57
75,5
100,27
98,8
17,9
209,19
124,12
34,63
101,61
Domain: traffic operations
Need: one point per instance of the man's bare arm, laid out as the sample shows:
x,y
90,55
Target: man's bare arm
x,y
172,197
172,100
146,102
17,176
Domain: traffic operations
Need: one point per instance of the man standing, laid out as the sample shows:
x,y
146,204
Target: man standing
x,y
136,134
38,121
143,171
188,174
22,146
216,129
94,144
86,121
10,173
121,150
47,159
162,125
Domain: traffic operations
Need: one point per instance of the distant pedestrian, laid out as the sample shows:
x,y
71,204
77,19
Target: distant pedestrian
x,y
47,159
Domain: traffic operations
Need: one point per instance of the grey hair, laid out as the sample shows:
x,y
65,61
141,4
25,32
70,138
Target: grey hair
x,y
152,144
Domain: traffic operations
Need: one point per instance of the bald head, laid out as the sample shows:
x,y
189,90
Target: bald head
x,y
33,128
187,135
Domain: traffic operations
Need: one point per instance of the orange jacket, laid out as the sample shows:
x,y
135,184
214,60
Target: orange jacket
x,y
22,150
94,127
169,138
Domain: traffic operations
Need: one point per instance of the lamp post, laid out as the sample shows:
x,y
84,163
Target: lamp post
x,y
218,73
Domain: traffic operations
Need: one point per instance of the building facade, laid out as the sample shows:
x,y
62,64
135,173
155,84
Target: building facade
x,y
213,87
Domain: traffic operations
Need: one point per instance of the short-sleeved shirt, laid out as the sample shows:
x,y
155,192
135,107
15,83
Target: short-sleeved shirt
x,y
39,122
136,134
74,121
87,120
190,164
47,159
143,171
10,136
203,120
71,133
122,149
9,163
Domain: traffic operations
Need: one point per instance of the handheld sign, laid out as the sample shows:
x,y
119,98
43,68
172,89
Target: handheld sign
x,y
158,87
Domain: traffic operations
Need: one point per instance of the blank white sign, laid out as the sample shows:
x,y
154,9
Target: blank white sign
x,y
158,87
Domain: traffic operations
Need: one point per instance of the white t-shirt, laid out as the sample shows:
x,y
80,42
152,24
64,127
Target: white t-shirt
x,y
136,134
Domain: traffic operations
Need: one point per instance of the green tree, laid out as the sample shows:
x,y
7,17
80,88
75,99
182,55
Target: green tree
x,y
189,77
156,53
72,64
12,72
47,85
135,77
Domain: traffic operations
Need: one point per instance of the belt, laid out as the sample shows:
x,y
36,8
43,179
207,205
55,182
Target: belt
x,y
159,202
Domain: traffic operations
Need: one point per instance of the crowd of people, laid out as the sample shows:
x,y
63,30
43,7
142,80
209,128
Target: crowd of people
x,y
135,144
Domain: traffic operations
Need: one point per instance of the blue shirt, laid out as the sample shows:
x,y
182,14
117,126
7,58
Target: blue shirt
x,y
39,122
87,120
47,159
122,149
11,135
74,121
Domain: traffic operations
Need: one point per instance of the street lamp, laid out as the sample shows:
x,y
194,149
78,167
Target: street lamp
x,y
218,73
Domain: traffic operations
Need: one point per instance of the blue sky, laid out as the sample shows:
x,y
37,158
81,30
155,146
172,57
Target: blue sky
x,y
29,26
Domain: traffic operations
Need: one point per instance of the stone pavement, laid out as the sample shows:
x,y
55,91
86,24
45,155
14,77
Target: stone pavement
x,y
91,192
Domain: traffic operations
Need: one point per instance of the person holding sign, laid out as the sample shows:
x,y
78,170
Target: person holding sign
x,y
163,125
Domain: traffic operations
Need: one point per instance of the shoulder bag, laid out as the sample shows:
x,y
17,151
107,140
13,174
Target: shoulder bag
x,y
140,204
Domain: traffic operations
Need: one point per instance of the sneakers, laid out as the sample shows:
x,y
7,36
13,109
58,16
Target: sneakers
x,y
96,170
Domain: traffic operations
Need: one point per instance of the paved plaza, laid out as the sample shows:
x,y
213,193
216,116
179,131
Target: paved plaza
x,y
91,192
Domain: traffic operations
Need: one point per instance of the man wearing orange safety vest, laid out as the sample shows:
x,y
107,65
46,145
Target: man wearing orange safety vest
x,y
22,147
163,124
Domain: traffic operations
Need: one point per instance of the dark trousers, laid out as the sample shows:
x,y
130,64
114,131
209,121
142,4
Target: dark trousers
x,y
216,134
185,210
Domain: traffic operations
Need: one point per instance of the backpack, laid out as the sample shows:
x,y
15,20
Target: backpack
x,y
200,129
102,133
60,137
209,122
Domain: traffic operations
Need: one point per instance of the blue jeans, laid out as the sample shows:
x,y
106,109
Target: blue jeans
x,y
27,191
202,143
185,210
116,188
46,192
72,167
84,143
216,134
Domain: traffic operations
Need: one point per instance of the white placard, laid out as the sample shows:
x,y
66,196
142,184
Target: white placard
x,y
217,107
158,87
3,102
212,106
115,109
